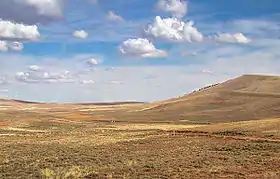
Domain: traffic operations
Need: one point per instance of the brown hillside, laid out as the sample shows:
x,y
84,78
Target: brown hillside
x,y
248,97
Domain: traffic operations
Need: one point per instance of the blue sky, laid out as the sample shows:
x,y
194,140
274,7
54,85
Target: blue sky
x,y
103,50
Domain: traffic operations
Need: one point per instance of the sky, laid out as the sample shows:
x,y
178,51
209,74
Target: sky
x,y
132,50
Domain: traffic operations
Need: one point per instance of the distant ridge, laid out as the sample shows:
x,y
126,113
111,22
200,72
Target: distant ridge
x,y
95,103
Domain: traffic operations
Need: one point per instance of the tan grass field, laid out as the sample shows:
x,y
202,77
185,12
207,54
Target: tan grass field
x,y
231,130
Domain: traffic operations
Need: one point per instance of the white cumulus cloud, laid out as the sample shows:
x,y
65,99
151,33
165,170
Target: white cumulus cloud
x,y
81,34
22,76
232,38
114,17
173,29
178,8
141,48
13,46
34,68
92,62
10,30
31,11
34,75
51,8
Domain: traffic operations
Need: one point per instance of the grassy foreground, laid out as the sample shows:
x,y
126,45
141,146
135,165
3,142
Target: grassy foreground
x,y
126,150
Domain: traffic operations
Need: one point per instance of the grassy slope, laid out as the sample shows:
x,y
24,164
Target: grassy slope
x,y
245,98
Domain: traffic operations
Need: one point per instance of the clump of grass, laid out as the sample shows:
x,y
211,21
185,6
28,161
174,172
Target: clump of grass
x,y
72,172
47,173
131,163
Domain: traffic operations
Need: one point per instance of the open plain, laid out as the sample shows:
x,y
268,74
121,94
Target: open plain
x,y
229,130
